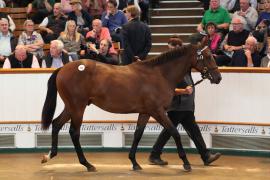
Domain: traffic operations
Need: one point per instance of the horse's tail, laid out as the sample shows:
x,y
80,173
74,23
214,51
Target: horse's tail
x,y
50,102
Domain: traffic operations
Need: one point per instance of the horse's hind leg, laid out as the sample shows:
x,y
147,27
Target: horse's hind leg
x,y
142,121
163,119
57,124
74,132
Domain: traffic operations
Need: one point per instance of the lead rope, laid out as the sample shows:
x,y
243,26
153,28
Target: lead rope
x,y
198,82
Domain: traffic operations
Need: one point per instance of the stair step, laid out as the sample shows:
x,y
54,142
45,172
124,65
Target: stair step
x,y
175,20
164,37
189,28
177,12
179,4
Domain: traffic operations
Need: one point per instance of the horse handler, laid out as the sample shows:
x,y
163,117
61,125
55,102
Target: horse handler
x,y
182,111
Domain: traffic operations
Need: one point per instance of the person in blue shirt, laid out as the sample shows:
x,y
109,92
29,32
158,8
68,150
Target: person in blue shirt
x,y
113,19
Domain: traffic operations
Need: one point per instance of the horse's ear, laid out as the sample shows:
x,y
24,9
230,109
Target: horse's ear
x,y
204,41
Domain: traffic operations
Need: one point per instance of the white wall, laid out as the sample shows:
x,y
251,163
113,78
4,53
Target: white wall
x,y
240,97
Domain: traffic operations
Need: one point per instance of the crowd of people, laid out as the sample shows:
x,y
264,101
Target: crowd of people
x,y
79,29
238,32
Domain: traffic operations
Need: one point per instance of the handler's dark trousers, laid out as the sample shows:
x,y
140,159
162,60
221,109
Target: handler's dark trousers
x,y
187,119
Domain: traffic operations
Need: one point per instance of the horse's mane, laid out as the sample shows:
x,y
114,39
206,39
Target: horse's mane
x,y
168,56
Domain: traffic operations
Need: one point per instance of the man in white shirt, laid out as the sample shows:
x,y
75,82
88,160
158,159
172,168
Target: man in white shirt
x,y
8,41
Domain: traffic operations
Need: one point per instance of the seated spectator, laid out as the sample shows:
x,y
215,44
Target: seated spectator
x,y
72,40
57,57
2,4
42,9
8,41
31,39
12,25
102,54
94,7
98,33
21,59
17,3
217,15
233,41
260,34
135,47
114,19
53,25
236,5
66,7
247,57
227,4
248,14
264,15
214,38
265,62
80,16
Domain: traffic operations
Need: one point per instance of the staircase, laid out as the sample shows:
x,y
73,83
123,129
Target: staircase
x,y
179,17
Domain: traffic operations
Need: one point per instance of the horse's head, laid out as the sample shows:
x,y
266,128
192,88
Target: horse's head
x,y
205,63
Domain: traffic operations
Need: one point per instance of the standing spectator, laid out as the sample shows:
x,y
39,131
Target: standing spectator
x,y
57,57
248,56
31,39
21,59
136,36
8,41
181,111
102,54
113,19
80,16
233,41
248,14
217,15
98,33
43,9
73,41
94,7
53,25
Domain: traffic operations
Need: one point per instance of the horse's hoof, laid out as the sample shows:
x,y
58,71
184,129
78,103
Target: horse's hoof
x,y
44,159
91,169
187,167
137,168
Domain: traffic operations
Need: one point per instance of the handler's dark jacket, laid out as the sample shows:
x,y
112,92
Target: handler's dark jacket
x,y
184,102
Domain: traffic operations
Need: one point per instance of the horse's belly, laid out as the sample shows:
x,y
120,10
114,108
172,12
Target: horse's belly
x,y
117,106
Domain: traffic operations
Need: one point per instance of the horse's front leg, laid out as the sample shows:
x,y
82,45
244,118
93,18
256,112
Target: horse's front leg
x,y
141,123
163,119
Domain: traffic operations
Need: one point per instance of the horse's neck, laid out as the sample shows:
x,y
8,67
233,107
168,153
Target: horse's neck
x,y
174,71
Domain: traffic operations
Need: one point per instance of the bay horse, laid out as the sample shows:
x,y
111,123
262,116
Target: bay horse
x,y
144,87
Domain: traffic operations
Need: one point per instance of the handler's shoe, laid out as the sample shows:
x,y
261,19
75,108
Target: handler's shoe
x,y
211,158
157,161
